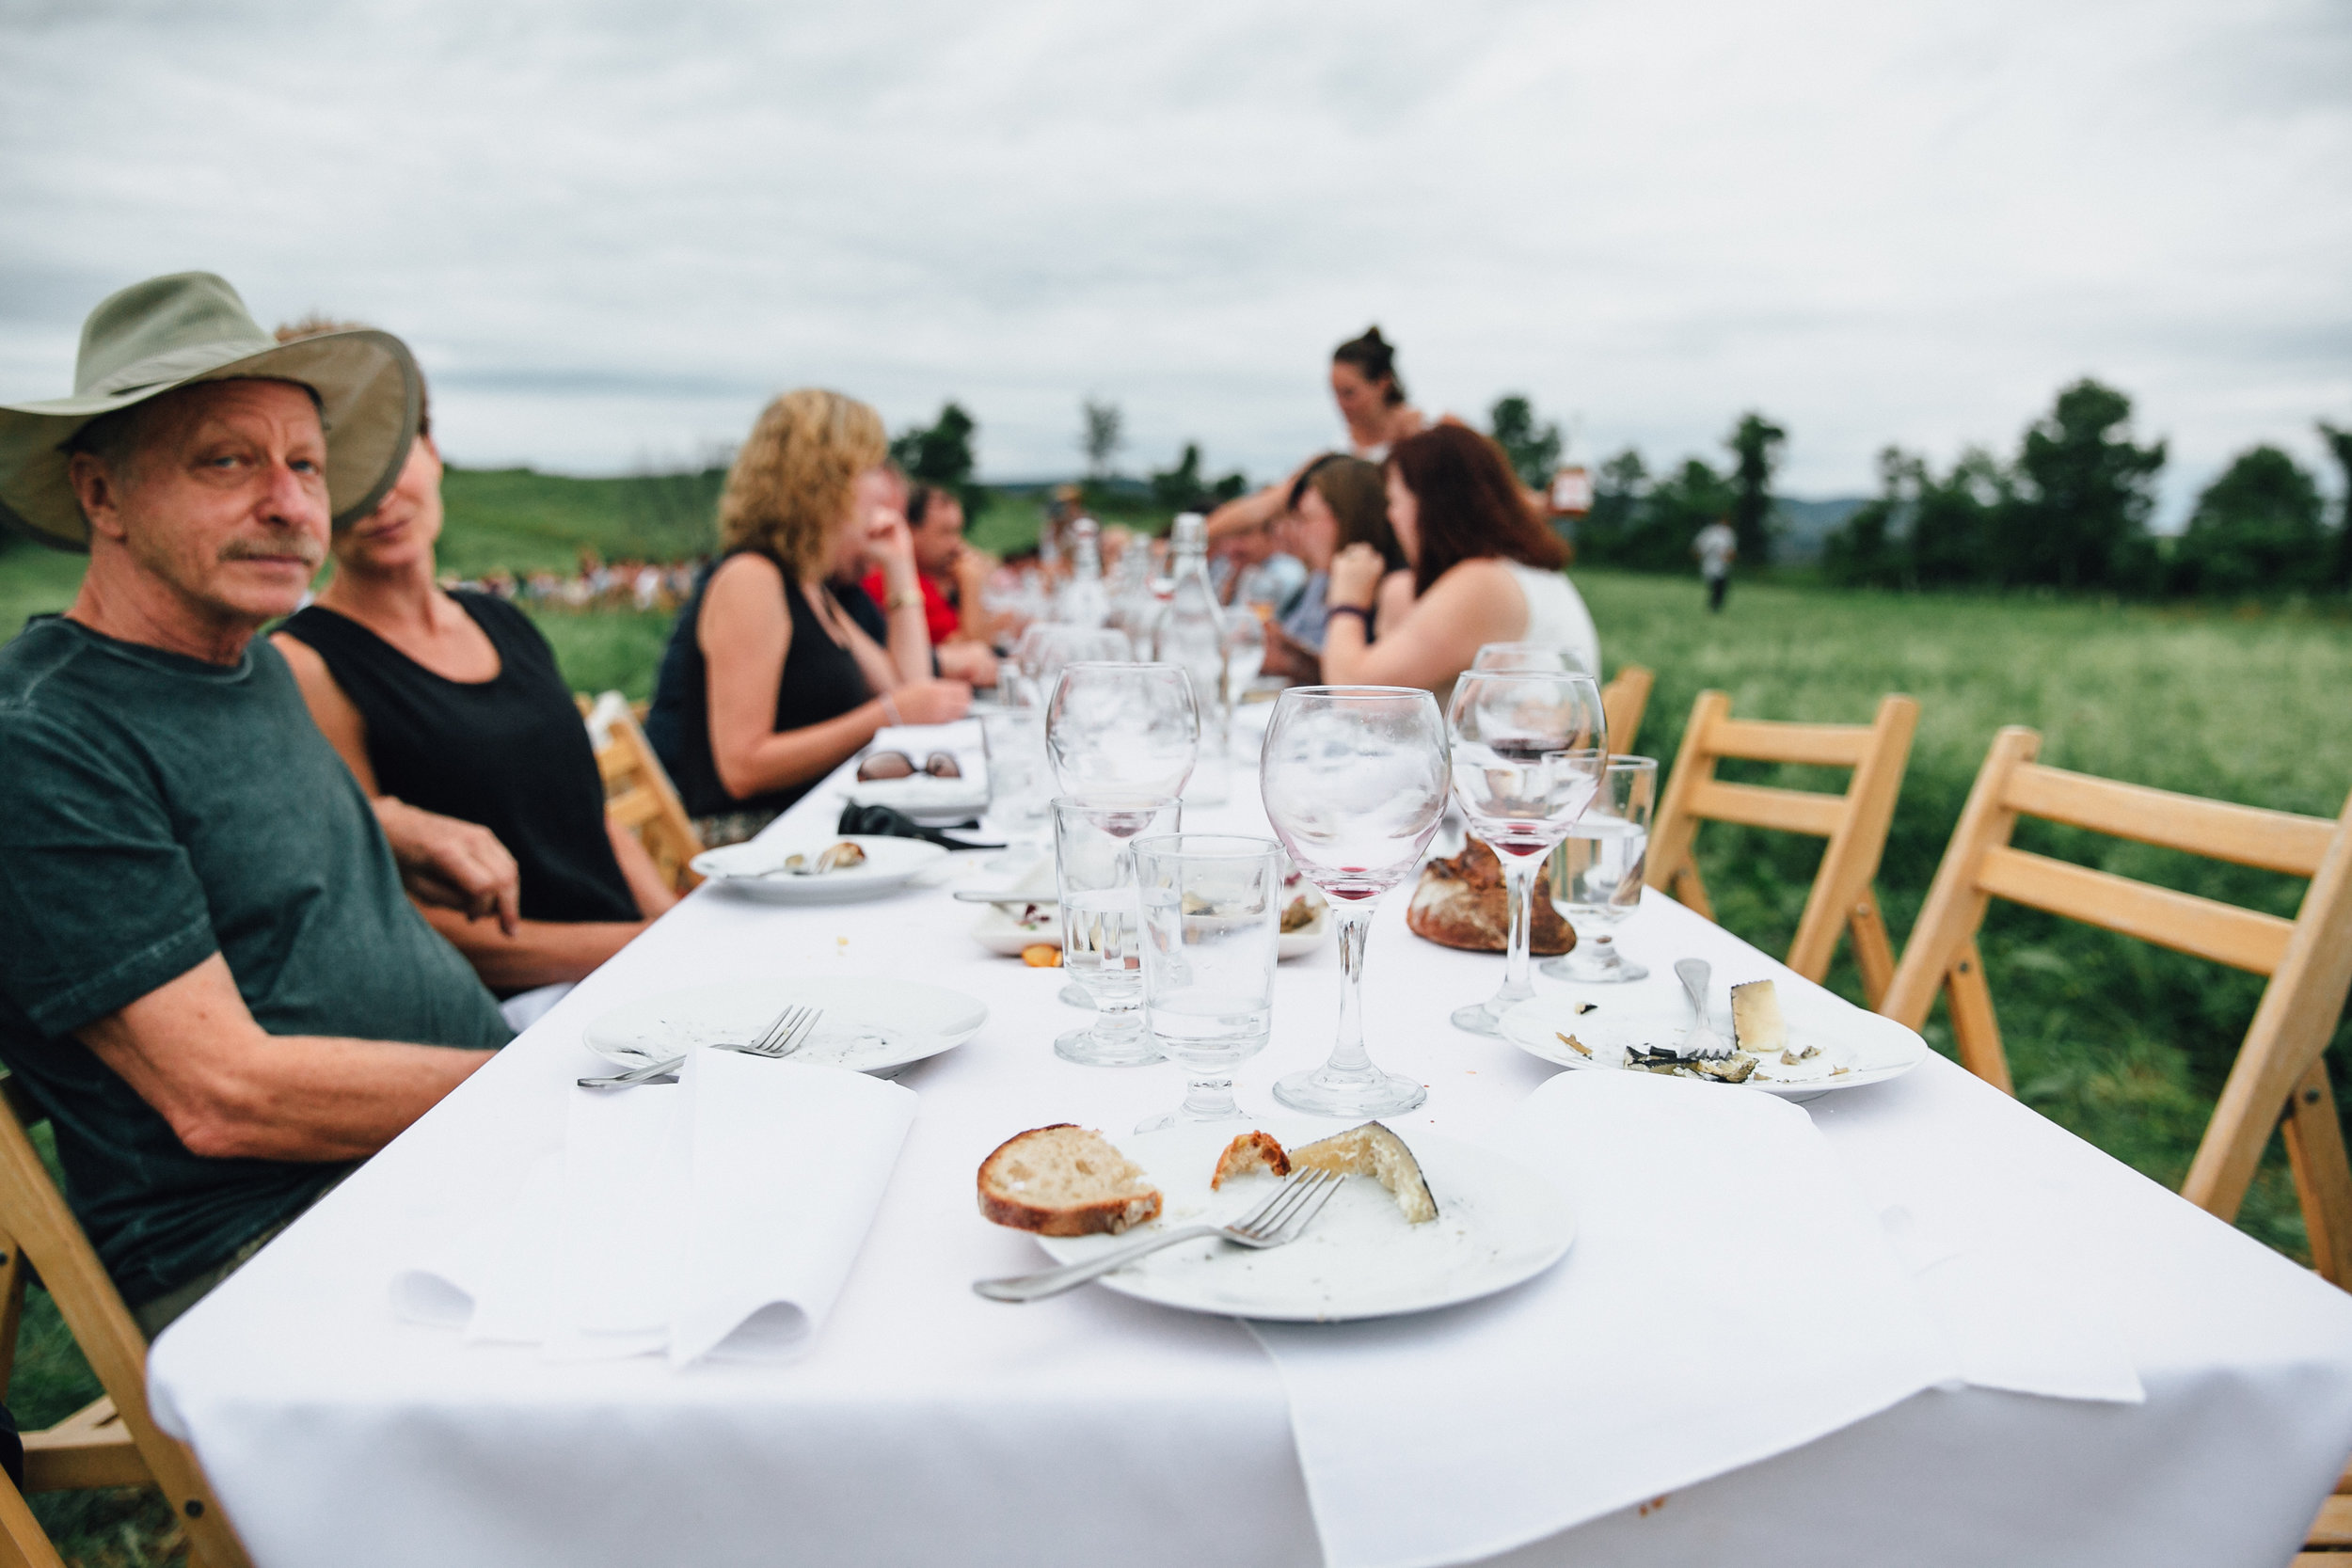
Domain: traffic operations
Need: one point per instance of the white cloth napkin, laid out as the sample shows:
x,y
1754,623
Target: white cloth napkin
x,y
715,1218
1729,1296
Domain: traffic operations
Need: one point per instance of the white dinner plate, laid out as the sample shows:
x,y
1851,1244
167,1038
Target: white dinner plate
x,y
1498,1224
1856,1047
757,868
870,1025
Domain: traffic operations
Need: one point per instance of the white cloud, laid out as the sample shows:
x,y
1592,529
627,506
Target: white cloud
x,y
612,230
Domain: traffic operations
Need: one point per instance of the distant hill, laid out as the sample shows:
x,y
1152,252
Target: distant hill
x,y
1799,526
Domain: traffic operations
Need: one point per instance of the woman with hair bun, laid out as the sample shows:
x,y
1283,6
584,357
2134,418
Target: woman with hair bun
x,y
1484,570
1365,384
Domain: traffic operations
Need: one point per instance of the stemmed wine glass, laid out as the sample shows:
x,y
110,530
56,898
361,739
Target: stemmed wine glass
x,y
1118,730
1547,657
1355,780
1045,649
1529,747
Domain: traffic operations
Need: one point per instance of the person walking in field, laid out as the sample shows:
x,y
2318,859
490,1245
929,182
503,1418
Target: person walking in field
x,y
1717,547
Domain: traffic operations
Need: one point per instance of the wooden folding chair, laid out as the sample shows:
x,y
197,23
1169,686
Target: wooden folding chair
x,y
2330,1538
1854,823
23,1542
112,1441
637,789
2279,1075
1622,703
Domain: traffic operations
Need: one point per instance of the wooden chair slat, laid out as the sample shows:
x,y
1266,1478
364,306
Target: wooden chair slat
x,y
1623,701
2219,830
1856,823
1790,811
23,1542
1820,745
2242,938
78,1453
2334,1527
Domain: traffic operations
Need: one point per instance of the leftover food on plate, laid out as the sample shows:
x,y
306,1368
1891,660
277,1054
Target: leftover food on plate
x,y
1762,1049
1299,914
1043,955
1065,1180
1251,1151
1371,1151
838,857
1461,902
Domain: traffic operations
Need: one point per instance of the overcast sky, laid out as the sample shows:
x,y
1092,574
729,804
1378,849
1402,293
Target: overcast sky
x,y
612,230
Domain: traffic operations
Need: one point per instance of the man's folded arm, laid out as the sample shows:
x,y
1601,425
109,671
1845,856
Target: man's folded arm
x,y
229,1090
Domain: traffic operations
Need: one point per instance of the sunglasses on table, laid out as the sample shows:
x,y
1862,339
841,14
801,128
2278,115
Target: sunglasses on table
x,y
879,765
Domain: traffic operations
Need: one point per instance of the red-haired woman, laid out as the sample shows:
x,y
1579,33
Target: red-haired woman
x,y
1483,571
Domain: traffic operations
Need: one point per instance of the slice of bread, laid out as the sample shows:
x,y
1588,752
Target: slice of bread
x,y
1065,1180
1373,1150
1251,1151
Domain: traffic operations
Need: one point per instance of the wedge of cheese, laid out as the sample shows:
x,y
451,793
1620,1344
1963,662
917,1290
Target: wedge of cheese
x,y
1757,1026
1373,1150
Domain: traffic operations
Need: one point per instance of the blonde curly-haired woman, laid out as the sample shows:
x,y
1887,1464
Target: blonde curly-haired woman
x,y
769,681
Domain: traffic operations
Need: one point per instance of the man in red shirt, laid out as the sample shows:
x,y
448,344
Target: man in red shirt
x,y
950,571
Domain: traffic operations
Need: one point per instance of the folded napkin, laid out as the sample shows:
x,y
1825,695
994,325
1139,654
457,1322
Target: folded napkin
x,y
1729,1297
715,1218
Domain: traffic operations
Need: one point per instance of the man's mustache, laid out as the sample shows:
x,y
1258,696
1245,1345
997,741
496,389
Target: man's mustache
x,y
309,551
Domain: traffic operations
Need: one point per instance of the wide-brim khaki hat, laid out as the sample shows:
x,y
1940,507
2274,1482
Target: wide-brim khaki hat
x,y
191,326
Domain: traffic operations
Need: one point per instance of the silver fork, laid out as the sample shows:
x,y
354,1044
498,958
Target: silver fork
x,y
1701,1044
1280,1219
787,1034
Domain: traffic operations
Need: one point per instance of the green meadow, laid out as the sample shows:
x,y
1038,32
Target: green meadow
x,y
2121,1042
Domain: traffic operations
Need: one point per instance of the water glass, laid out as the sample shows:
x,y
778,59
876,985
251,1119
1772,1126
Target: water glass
x,y
1355,780
1529,749
1020,792
1122,730
1596,872
1212,916
1094,879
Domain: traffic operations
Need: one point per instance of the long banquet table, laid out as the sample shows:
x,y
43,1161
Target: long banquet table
x,y
928,1426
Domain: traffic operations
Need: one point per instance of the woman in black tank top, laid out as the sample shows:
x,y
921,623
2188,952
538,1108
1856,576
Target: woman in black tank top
x,y
769,682
452,704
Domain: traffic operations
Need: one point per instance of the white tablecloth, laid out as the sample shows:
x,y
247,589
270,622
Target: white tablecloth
x,y
927,1426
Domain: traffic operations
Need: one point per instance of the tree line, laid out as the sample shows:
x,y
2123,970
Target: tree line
x,y
2070,512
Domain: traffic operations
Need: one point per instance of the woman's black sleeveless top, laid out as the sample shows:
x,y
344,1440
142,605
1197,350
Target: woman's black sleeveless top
x,y
821,680
509,752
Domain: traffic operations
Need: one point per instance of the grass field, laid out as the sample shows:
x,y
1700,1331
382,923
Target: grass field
x,y
2122,1043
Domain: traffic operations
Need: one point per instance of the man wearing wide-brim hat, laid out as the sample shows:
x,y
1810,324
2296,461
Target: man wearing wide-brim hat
x,y
210,975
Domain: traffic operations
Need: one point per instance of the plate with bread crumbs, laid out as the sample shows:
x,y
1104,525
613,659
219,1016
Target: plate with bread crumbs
x,y
1420,1221
1788,1039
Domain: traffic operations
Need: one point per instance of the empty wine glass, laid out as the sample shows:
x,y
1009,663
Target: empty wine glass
x,y
1354,779
1212,913
1596,872
1047,648
1094,883
1542,658
1115,729
1529,747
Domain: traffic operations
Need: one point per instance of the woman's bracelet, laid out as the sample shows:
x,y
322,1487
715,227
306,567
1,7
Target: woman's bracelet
x,y
1360,612
890,711
906,598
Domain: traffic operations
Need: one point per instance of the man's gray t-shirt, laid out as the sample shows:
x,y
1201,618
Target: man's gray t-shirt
x,y
156,810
